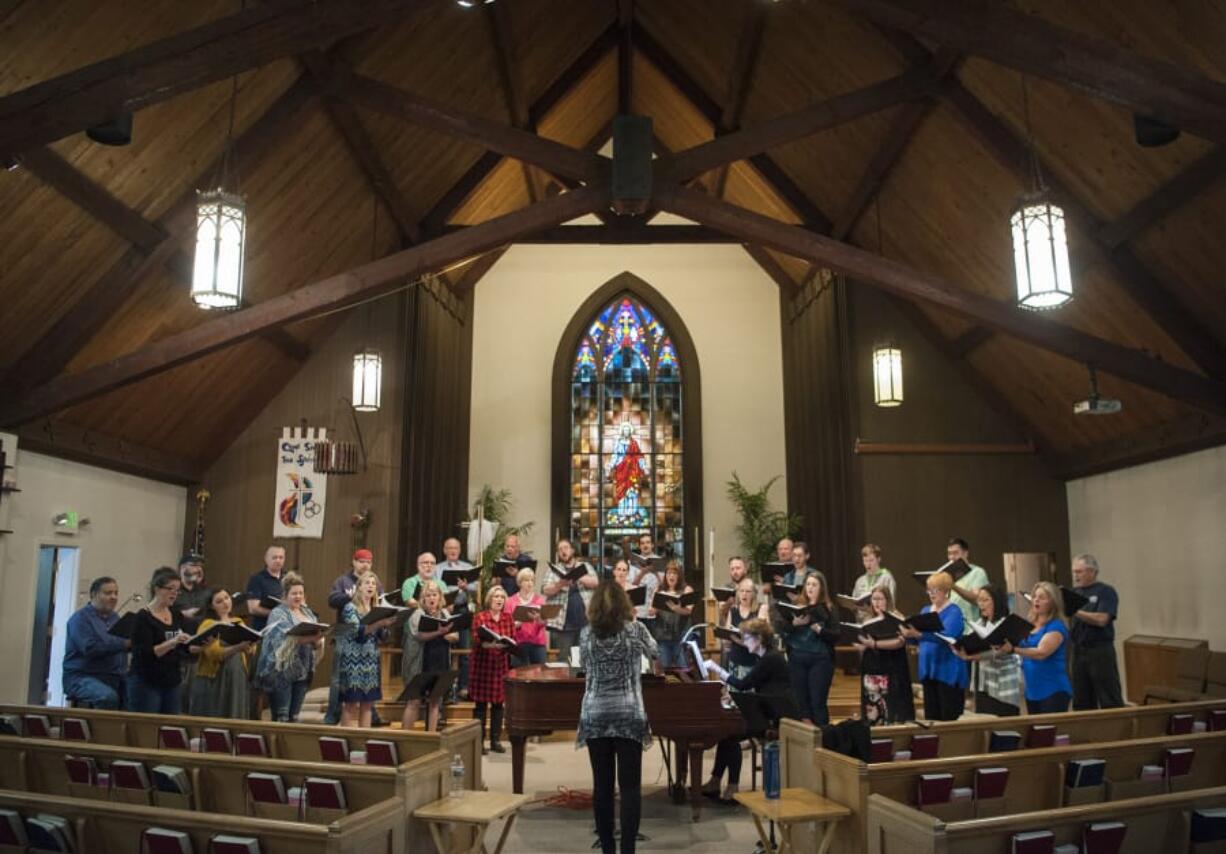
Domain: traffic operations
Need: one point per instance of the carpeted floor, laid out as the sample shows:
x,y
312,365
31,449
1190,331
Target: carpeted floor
x,y
554,767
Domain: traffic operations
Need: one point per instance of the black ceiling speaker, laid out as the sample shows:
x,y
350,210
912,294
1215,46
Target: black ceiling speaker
x,y
116,131
1152,133
631,164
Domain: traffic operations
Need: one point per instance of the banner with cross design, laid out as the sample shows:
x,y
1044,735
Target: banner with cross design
x,y
301,493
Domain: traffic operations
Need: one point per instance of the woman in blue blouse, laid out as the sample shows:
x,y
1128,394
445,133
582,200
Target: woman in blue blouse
x,y
943,676
1043,653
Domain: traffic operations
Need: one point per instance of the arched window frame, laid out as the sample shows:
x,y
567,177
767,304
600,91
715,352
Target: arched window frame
x,y
627,284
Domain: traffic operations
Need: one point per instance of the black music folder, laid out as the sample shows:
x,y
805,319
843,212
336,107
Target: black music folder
x,y
510,568
1012,629
773,571
879,628
723,594
1071,599
459,620
638,595
306,628
382,612
488,635
853,604
681,600
454,575
956,569
573,574
929,622
124,627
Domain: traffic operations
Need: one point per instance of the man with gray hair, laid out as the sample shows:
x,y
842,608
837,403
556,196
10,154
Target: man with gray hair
x,y
1096,674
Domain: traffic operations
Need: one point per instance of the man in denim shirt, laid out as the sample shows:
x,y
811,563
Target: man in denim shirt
x,y
95,661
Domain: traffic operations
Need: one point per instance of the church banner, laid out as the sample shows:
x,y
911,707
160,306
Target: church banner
x,y
301,493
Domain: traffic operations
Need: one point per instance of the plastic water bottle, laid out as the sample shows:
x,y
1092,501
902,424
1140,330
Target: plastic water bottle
x,y
770,770
457,777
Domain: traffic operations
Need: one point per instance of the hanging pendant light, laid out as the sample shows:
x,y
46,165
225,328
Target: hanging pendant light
x,y
887,375
221,233
367,362
1040,240
367,379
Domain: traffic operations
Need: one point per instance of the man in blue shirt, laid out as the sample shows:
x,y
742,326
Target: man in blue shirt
x,y
266,582
95,661
1096,673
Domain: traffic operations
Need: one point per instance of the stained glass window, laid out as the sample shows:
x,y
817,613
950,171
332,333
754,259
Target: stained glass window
x,y
626,410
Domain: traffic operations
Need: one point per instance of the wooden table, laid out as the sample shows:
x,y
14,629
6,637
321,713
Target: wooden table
x,y
793,806
474,810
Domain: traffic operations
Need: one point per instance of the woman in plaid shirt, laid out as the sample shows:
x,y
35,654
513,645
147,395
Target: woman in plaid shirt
x,y
490,664
998,675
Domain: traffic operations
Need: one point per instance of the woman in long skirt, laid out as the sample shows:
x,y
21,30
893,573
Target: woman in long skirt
x,y
219,688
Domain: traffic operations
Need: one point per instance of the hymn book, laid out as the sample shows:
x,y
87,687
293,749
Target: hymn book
x,y
160,840
12,829
333,749
1208,825
1103,837
1034,842
128,774
37,726
50,833
172,780
383,753
990,782
250,744
1084,772
75,729
173,738
82,770
325,793
225,844
266,788
216,740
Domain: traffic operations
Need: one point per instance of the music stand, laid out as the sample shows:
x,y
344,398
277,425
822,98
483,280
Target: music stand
x,y
429,688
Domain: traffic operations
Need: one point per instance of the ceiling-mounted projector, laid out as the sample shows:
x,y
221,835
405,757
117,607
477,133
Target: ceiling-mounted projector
x,y
1095,404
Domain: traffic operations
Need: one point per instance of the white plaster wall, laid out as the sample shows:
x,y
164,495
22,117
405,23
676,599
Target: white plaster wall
x,y
1159,533
521,309
135,526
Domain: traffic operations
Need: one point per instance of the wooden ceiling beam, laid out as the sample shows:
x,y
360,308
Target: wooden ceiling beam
x,y
322,297
780,130
60,439
58,173
477,270
1185,329
154,72
969,341
498,15
1170,196
619,231
904,281
56,347
506,140
625,55
740,76
902,130
772,267
1179,96
956,353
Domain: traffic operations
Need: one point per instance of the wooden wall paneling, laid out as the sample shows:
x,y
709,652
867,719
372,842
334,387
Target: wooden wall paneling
x,y
914,504
242,478
822,476
434,461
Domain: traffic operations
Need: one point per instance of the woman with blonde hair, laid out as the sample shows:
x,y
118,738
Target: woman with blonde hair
x,y
357,654
744,607
885,674
1043,652
612,720
287,662
488,671
425,652
943,677
530,635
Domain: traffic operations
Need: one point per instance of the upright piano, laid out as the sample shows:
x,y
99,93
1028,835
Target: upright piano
x,y
543,699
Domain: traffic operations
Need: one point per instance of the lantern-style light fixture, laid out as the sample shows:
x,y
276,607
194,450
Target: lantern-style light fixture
x,y
887,375
1040,240
221,234
367,379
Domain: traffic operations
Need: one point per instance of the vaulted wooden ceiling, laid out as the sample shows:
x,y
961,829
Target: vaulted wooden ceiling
x,y
95,249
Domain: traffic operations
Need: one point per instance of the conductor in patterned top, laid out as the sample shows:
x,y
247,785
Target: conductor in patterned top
x,y
490,664
674,619
219,688
357,654
157,645
95,661
810,641
612,720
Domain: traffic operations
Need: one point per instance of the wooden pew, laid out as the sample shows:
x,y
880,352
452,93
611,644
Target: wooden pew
x,y
1036,777
284,741
1156,825
971,736
116,828
218,780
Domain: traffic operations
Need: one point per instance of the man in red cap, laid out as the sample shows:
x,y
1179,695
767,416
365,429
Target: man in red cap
x,y
338,598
